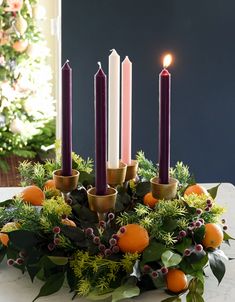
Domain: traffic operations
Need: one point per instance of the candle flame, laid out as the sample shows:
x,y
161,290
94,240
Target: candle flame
x,y
167,60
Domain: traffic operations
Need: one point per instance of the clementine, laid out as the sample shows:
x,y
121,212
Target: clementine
x,y
20,45
149,200
33,195
8,227
195,189
69,222
50,185
134,238
176,280
213,236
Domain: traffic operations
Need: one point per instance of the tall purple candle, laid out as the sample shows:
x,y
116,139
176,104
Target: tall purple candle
x,y
100,131
164,122
66,120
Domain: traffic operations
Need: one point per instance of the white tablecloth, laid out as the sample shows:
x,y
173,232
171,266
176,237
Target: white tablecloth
x,y
15,287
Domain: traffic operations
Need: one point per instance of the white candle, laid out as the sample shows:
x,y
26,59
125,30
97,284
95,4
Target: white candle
x,y
126,111
114,110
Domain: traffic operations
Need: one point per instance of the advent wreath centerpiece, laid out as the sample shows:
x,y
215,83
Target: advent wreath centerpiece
x,y
142,244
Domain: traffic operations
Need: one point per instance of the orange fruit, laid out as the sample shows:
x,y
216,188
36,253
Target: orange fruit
x,y
33,195
20,45
149,200
50,185
8,227
176,280
4,239
69,222
195,189
133,238
213,236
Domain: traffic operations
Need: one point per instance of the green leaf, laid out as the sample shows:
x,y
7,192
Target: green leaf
x,y
186,243
172,299
75,234
52,285
153,252
170,259
7,203
143,188
96,296
58,260
194,297
196,286
227,237
169,224
199,234
23,239
125,291
3,251
217,266
213,191
86,179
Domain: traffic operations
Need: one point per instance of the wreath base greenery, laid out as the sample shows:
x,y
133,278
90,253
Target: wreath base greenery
x,y
88,255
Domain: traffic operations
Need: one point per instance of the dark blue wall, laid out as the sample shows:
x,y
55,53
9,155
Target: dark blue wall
x,y
201,36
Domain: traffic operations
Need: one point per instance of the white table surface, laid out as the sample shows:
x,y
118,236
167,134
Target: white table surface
x,y
15,287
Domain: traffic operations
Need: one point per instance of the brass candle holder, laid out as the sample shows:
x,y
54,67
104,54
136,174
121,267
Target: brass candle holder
x,y
66,184
131,170
164,191
117,176
101,204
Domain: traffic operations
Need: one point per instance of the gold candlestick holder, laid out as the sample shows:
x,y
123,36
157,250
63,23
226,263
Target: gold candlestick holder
x,y
117,176
164,191
131,170
101,204
66,184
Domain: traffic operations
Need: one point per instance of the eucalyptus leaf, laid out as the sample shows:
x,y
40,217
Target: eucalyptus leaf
x,y
217,266
96,296
170,259
213,191
51,286
125,291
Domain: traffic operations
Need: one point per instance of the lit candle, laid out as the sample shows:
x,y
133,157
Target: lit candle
x,y
114,110
66,120
126,111
100,131
164,121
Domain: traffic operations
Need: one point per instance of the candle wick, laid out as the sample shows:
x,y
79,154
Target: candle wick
x,y
99,64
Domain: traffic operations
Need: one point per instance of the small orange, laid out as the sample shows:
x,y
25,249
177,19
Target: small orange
x,y
8,227
213,236
20,45
195,189
50,185
133,238
33,195
149,200
69,222
176,280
